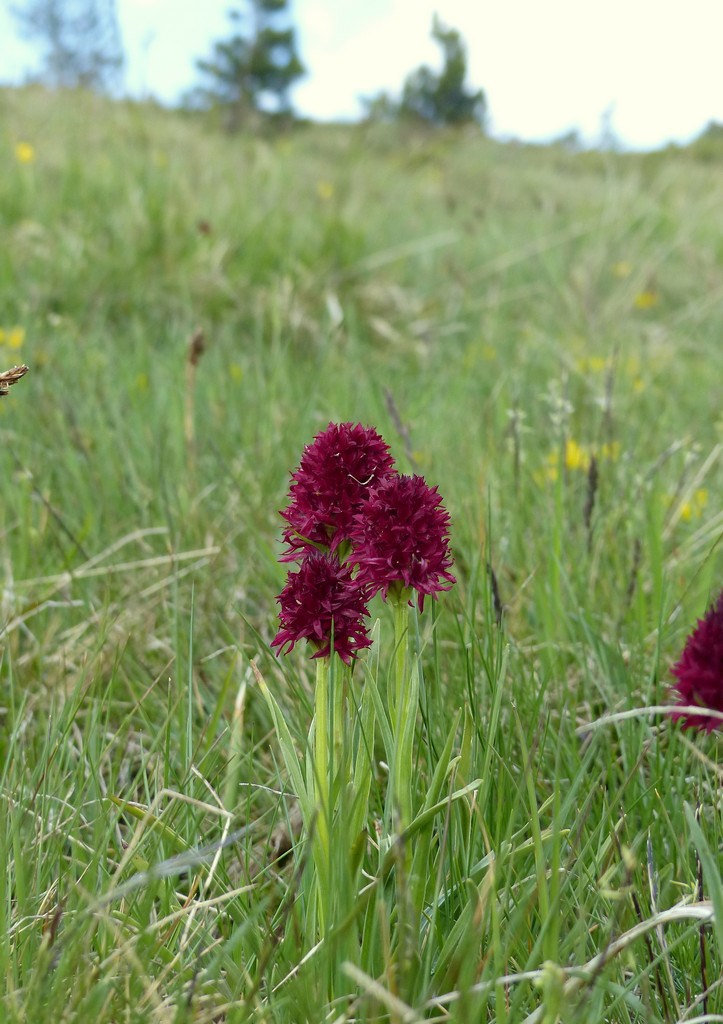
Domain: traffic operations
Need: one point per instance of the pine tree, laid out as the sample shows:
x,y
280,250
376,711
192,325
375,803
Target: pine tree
x,y
80,41
443,98
254,69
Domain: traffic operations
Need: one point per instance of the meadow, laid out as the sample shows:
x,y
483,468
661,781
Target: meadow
x,y
535,331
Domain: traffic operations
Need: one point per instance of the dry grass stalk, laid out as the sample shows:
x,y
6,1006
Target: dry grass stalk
x,y
196,348
593,479
401,428
10,377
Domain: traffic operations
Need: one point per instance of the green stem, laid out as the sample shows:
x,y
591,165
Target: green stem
x,y
403,710
321,782
400,606
338,715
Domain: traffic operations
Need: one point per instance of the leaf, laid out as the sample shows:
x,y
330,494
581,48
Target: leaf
x,y
153,821
711,875
288,751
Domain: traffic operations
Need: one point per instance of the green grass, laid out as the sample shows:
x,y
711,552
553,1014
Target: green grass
x,y
510,300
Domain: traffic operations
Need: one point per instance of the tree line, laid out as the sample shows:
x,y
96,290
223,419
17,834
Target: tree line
x,y
249,73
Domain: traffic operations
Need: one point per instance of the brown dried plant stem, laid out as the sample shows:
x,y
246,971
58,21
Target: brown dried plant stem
x,y
10,377
196,348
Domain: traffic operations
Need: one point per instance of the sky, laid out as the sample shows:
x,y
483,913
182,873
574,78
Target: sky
x,y
650,69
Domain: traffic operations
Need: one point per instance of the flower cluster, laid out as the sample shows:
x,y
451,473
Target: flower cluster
x,y
400,538
319,602
357,528
336,474
699,672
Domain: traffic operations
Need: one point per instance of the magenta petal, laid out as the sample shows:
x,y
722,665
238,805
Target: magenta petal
x,y
699,671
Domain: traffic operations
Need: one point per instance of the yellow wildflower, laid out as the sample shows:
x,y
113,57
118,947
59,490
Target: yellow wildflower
x,y
694,506
549,472
235,372
646,299
142,381
15,337
592,364
610,450
421,458
575,456
622,268
24,153
469,359
324,190
474,352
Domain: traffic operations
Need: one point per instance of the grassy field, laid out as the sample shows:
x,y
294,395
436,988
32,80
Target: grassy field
x,y
503,315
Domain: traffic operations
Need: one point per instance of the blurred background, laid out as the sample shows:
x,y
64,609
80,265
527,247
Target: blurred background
x,y
642,73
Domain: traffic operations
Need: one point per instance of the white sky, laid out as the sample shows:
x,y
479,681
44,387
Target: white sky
x,y
546,65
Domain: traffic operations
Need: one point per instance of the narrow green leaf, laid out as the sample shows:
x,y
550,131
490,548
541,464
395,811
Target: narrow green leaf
x,y
288,751
711,875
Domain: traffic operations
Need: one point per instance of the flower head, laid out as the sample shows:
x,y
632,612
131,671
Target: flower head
x,y
24,153
576,457
321,599
15,337
335,476
401,537
699,671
